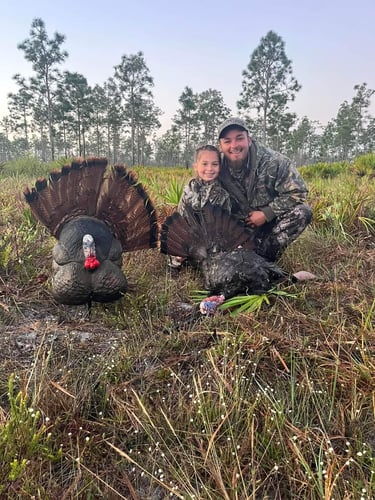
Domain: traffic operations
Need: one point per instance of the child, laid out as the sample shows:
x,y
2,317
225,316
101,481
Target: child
x,y
204,188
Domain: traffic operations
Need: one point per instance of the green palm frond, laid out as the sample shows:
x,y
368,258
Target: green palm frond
x,y
244,303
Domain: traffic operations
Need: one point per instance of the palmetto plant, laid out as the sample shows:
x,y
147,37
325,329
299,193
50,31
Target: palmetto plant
x,y
173,192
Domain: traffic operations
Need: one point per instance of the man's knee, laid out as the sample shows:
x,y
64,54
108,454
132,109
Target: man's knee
x,y
294,221
271,244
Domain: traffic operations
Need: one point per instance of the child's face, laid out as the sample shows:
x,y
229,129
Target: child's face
x,y
207,165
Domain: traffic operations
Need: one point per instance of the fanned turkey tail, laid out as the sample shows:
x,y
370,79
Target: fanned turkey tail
x,y
125,206
70,192
87,187
209,230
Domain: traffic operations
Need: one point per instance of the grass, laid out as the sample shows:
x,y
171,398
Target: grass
x,y
147,400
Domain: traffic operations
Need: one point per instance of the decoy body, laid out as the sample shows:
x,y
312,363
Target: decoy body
x,y
96,213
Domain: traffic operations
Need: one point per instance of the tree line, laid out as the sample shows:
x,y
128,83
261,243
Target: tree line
x,y
54,114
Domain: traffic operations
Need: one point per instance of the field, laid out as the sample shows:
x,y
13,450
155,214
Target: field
x,y
146,399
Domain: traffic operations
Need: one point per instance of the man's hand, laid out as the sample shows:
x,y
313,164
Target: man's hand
x,y
256,218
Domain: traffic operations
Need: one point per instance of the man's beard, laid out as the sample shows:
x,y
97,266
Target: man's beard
x,y
237,164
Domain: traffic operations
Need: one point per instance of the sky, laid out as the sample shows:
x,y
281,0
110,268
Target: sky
x,y
203,44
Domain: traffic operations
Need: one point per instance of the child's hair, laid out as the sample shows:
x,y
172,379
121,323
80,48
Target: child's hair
x,y
206,147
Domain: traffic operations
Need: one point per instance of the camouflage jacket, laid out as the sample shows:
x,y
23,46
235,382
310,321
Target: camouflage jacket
x,y
268,182
197,193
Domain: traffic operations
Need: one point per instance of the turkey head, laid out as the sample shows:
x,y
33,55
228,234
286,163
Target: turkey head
x,y
95,213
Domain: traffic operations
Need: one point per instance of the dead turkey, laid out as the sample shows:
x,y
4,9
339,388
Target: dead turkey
x,y
96,213
225,251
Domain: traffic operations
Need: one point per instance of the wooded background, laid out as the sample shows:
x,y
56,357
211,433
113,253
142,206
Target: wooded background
x,y
57,114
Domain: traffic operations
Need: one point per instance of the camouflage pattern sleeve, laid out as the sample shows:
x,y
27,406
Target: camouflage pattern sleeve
x,y
278,186
290,187
186,196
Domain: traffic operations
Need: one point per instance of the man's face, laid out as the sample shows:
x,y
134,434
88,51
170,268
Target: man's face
x,y
235,145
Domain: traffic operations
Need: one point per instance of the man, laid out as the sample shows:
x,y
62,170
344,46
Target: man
x,y
266,191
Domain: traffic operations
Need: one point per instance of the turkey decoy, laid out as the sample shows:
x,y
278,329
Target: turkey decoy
x,y
96,213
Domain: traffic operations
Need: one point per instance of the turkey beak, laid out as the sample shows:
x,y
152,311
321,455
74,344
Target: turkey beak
x,y
88,246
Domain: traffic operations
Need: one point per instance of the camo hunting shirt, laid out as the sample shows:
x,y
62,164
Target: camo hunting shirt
x,y
198,193
268,182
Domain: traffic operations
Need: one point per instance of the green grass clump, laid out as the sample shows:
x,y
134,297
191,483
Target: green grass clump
x,y
24,440
343,207
25,167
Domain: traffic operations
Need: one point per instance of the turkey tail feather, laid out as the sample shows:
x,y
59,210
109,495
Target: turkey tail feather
x,y
200,233
84,187
176,236
221,231
70,192
224,232
125,206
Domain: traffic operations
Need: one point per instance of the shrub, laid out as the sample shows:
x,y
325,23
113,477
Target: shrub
x,y
364,165
324,170
27,166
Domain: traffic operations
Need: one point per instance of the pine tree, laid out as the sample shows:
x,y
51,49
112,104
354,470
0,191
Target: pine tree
x,y
268,83
44,54
186,121
134,82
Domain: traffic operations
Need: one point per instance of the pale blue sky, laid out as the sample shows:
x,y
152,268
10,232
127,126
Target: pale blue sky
x,y
203,44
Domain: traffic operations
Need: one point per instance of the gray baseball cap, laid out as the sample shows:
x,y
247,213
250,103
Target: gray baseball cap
x,y
232,122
